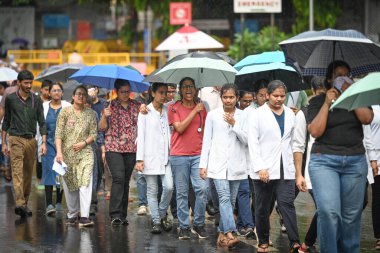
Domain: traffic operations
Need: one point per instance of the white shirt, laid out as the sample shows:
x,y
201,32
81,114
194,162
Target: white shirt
x,y
211,96
153,140
223,152
266,146
371,141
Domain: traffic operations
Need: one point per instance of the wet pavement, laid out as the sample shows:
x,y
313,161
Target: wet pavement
x,y
49,234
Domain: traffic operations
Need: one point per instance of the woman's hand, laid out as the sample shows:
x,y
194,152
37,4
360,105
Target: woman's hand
x,y
59,158
229,118
144,109
139,166
107,111
79,146
264,175
199,107
301,183
203,173
375,168
331,95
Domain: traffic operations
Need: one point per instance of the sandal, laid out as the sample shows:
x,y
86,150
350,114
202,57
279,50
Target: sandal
x,y
223,242
377,246
262,248
232,241
295,247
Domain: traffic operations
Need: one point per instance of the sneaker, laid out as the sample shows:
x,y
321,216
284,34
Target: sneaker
x,y
116,221
166,224
85,222
156,229
93,210
283,228
142,210
28,211
184,234
199,231
125,222
71,221
50,210
19,210
242,231
58,207
251,234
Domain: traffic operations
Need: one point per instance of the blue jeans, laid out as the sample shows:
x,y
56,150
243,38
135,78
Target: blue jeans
x,y
141,190
158,211
245,218
227,192
338,186
186,168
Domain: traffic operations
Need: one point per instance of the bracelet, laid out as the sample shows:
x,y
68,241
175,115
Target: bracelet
x,y
86,142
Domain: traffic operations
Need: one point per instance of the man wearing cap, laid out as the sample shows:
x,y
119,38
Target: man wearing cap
x,y
23,110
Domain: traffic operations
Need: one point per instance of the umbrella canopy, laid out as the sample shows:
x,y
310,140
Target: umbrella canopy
x,y
249,75
7,74
104,76
188,37
206,68
314,50
363,93
263,58
59,73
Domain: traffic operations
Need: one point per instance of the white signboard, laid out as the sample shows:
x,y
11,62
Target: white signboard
x,y
257,6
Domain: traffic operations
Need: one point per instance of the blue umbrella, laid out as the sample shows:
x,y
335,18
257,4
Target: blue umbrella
x,y
263,58
314,50
247,77
104,76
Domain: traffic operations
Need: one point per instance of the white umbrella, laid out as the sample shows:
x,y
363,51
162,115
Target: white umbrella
x,y
188,37
7,74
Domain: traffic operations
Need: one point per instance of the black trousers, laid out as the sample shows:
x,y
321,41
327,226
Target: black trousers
x,y
121,166
283,191
99,161
376,207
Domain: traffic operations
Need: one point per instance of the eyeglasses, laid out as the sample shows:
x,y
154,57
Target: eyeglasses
x,y
56,91
81,94
188,87
125,92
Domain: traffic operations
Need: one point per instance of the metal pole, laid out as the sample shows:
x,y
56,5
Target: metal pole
x,y
242,21
272,28
311,15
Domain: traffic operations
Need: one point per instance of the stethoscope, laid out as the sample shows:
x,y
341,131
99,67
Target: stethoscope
x,y
199,130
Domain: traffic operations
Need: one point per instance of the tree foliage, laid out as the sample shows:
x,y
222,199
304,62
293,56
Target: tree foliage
x,y
255,42
326,13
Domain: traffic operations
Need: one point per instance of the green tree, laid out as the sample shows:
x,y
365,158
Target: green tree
x,y
326,13
255,42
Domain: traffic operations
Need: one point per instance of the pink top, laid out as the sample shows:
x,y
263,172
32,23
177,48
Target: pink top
x,y
189,143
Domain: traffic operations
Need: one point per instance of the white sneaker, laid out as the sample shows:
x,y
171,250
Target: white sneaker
x,y
142,210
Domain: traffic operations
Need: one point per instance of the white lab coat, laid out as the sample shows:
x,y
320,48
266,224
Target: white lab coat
x,y
372,141
223,152
266,146
153,141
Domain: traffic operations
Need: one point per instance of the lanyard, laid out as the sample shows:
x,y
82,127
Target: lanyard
x,y
22,101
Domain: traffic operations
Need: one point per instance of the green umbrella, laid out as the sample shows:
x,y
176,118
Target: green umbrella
x,y
363,93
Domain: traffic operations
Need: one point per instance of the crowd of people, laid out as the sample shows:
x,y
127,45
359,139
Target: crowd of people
x,y
245,153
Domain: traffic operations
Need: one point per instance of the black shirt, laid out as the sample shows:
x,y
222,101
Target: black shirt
x,y
343,134
21,116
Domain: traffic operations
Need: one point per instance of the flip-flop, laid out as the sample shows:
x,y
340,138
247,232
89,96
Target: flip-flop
x,y
262,248
377,246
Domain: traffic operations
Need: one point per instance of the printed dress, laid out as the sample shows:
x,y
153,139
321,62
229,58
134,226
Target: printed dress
x,y
73,127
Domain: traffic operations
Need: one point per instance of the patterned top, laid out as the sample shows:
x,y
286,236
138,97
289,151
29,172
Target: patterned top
x,y
73,127
122,127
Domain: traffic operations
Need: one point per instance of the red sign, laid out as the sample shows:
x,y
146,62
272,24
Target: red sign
x,y
83,30
180,13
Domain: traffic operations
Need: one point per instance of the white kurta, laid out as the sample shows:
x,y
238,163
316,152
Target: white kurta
x,y
223,152
153,140
266,146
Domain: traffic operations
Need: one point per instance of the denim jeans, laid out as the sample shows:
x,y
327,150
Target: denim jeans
x,y
227,192
338,187
186,168
243,201
141,190
158,210
121,166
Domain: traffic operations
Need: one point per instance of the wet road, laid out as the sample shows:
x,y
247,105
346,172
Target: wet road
x,y
49,234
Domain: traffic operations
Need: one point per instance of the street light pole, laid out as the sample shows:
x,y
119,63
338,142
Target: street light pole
x,y
311,15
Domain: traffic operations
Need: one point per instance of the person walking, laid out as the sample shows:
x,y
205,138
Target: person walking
x,y
338,166
49,177
153,132
23,110
119,121
223,160
187,117
270,129
75,132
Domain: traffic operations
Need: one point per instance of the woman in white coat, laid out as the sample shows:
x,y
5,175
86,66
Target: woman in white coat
x,y
153,138
223,160
270,130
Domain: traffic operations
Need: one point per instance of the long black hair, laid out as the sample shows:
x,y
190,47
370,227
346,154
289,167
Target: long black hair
x,y
331,71
275,84
153,89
